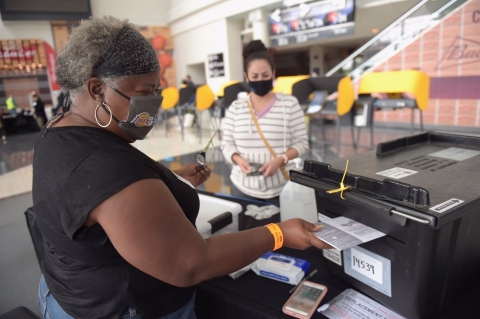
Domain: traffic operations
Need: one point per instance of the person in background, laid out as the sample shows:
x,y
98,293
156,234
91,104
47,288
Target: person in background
x,y
187,81
282,122
2,131
11,106
60,100
119,228
39,108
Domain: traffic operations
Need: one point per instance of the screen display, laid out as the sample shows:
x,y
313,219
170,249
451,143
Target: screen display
x,y
304,299
311,21
45,9
317,102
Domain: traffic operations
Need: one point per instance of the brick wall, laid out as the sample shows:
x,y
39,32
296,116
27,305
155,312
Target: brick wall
x,y
450,54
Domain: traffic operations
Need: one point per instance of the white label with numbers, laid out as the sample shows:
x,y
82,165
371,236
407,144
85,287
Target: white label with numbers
x,y
455,154
367,266
397,172
334,255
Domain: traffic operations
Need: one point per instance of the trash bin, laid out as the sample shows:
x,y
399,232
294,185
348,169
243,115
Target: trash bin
x,y
423,192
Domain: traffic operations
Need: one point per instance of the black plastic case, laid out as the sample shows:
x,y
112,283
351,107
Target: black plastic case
x,y
434,255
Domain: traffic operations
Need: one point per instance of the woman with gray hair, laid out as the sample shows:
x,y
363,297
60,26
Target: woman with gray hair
x,y
119,229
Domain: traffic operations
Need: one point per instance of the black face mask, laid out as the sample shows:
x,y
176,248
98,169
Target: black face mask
x,y
142,115
261,88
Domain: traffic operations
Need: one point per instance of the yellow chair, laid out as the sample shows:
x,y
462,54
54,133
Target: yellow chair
x,y
340,107
221,91
204,99
284,84
170,101
394,84
321,87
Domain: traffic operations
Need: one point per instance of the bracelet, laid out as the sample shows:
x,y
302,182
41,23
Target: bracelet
x,y
285,158
277,235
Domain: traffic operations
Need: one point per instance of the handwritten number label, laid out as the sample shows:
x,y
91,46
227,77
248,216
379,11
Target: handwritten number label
x,y
363,265
367,266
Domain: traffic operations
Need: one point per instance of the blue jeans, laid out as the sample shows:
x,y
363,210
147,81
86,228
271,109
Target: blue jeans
x,y
50,308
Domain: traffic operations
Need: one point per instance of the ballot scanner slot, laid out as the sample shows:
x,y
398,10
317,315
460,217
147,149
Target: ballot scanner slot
x,y
331,214
384,210
389,189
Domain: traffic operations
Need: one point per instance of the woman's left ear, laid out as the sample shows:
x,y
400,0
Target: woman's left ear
x,y
245,76
96,88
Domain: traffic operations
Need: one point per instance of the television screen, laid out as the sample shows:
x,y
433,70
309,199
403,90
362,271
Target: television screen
x,y
311,20
45,9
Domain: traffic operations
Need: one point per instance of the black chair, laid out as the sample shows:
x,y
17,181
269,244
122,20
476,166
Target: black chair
x,y
302,90
19,313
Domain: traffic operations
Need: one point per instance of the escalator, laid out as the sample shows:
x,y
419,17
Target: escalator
x,y
406,29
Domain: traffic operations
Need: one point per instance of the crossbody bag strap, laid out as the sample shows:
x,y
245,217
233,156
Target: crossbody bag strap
x,y
270,149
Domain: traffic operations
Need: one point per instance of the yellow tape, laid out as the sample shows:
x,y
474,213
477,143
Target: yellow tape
x,y
277,235
342,186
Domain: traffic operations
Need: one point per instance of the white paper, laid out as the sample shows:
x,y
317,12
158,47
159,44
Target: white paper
x,y
333,255
447,205
397,172
351,304
367,266
455,154
343,233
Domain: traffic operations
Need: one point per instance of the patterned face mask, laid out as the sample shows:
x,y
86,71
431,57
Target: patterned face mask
x,y
142,115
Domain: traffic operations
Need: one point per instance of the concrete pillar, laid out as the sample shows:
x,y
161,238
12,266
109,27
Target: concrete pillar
x,y
259,21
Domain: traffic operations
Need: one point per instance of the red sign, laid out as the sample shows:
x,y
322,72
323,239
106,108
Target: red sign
x,y
51,61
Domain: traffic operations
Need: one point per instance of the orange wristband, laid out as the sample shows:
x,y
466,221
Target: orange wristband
x,y
277,235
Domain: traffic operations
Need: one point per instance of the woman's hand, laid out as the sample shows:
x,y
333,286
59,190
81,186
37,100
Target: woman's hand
x,y
297,233
270,168
194,173
243,163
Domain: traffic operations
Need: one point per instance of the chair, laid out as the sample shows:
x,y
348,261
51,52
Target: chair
x,y
393,85
218,111
186,101
171,97
204,100
284,84
19,313
339,108
231,92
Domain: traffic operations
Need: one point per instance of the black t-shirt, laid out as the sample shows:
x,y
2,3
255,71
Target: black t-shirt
x,y
74,170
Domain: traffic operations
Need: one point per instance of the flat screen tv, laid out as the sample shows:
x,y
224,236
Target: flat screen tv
x,y
311,21
15,10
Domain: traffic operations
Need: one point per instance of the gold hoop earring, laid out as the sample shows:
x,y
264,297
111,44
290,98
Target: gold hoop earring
x,y
109,111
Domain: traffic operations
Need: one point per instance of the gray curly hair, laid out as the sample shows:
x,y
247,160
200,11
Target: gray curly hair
x,y
91,42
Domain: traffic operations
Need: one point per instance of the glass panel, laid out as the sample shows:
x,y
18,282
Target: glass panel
x,y
398,35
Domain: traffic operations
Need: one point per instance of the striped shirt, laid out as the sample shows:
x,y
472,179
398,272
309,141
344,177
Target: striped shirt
x,y
283,126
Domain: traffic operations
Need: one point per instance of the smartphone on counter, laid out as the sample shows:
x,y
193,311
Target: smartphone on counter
x,y
305,300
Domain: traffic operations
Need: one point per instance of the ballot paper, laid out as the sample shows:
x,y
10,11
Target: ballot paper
x,y
351,304
343,233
